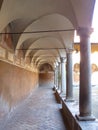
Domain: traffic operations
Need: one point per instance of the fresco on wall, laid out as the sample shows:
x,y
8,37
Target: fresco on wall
x,y
76,74
6,39
45,68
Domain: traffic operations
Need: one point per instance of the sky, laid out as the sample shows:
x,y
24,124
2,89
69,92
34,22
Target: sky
x,y
94,37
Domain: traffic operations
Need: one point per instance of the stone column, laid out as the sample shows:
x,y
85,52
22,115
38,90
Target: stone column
x,y
63,75
69,77
56,76
59,77
85,75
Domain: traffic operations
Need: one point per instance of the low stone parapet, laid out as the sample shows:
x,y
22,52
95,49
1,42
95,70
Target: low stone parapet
x,y
69,111
58,96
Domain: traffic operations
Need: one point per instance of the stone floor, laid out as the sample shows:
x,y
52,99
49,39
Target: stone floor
x,y
39,112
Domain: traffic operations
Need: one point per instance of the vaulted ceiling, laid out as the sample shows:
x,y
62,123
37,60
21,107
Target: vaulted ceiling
x,y
44,28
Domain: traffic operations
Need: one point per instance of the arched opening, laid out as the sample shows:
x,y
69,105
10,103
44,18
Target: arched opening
x,y
46,74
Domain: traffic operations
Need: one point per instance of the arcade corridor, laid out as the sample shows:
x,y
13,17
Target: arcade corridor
x,y
37,47
39,112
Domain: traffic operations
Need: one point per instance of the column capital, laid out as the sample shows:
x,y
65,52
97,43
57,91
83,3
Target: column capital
x,y
83,31
63,59
56,64
59,62
69,50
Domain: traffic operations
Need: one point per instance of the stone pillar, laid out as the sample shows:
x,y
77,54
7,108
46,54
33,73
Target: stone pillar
x,y
59,77
63,75
85,75
56,76
69,77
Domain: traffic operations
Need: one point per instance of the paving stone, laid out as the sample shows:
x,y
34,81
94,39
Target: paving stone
x,y
38,112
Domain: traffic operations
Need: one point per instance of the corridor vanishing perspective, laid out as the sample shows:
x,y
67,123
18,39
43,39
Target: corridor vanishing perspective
x,y
39,112
36,49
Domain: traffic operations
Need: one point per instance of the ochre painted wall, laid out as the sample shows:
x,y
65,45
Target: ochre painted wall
x,y
15,84
46,77
94,47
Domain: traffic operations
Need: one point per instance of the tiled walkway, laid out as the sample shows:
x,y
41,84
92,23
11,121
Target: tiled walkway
x,y
39,112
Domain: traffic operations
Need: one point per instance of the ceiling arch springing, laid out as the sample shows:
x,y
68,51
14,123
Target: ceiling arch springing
x,y
34,9
37,55
49,22
46,67
44,15
43,62
45,43
46,58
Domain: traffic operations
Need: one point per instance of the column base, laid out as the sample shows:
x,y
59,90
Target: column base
x,y
54,87
63,95
85,118
58,91
69,100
